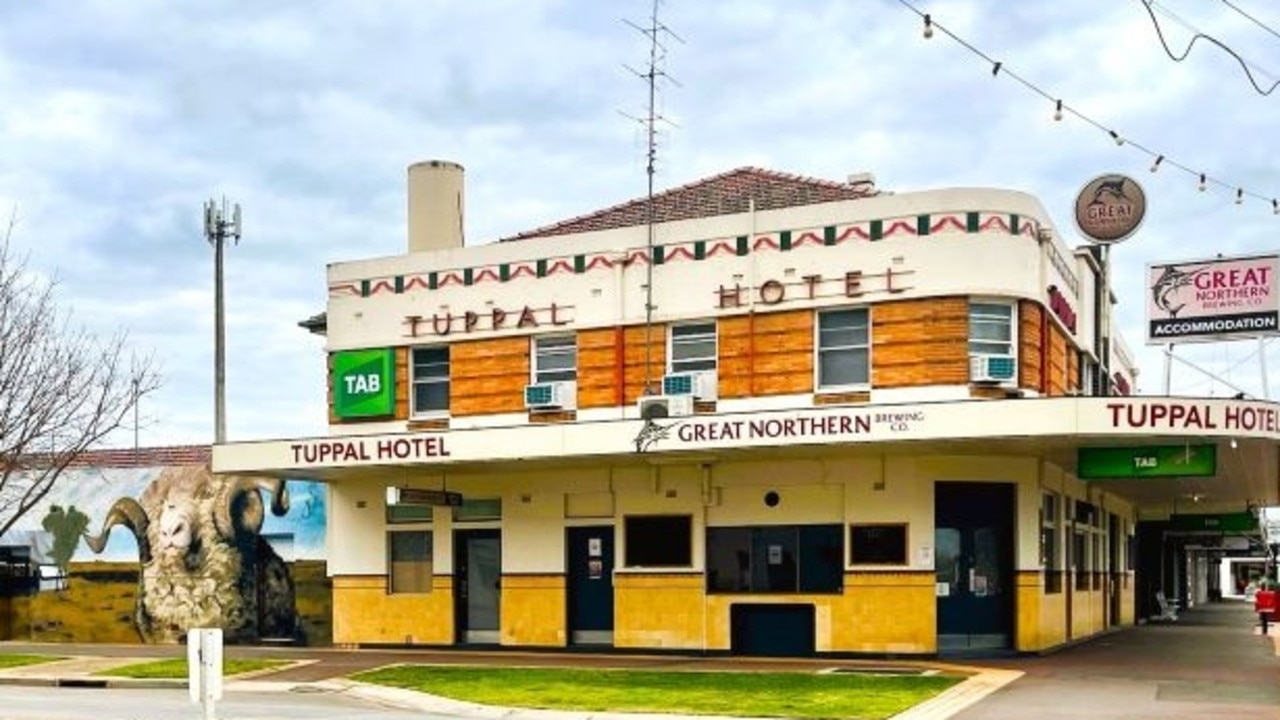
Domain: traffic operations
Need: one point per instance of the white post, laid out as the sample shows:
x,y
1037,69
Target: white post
x,y
204,668
1168,369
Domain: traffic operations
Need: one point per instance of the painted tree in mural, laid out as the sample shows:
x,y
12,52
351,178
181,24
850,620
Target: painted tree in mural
x,y
63,390
66,526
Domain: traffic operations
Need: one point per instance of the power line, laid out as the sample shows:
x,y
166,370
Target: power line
x,y
1253,19
1062,108
1195,30
1208,38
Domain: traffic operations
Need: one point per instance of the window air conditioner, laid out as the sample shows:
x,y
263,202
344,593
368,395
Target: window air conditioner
x,y
656,407
699,385
992,368
561,395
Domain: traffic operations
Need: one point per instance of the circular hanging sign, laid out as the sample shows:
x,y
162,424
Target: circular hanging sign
x,y
1110,208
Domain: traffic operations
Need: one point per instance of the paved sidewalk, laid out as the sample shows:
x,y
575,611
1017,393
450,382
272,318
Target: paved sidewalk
x,y
1212,663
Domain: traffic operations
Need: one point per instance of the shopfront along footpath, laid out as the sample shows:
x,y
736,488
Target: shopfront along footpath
x,y
792,416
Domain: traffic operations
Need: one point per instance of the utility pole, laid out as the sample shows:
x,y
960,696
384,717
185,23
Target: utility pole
x,y
218,227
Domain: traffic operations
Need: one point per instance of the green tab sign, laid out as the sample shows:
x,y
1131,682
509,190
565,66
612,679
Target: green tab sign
x,y
1241,522
364,383
1125,463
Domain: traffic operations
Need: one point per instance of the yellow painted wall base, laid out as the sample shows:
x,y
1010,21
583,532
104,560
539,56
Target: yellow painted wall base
x,y
363,612
533,610
665,610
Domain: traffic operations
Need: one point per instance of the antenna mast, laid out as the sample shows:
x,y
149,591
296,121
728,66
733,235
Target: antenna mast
x,y
651,75
218,227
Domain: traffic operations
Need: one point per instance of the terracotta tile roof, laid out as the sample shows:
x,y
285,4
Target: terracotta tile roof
x,y
146,457
724,194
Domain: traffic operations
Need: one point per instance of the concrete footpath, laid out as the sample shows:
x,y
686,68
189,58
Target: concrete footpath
x,y
1213,662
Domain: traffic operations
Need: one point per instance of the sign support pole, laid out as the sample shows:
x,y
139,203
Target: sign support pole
x,y
1262,365
1168,368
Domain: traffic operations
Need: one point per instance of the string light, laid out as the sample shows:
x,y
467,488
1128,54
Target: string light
x,y
1060,107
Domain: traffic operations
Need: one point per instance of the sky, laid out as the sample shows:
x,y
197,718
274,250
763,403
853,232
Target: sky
x,y
120,119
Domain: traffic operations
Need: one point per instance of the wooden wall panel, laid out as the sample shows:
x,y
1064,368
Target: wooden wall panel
x,y
1030,325
766,354
920,342
599,368
488,376
1056,384
635,358
1073,370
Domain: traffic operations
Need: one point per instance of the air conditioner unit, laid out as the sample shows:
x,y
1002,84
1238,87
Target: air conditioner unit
x,y
699,385
992,368
656,407
560,395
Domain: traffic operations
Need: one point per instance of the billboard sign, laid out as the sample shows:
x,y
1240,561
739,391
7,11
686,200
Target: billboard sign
x,y
364,383
1109,208
1214,299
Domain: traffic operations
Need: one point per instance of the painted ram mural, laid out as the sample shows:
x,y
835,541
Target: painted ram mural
x,y
204,560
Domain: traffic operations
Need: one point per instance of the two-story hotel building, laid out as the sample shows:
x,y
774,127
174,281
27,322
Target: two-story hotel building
x,y
760,413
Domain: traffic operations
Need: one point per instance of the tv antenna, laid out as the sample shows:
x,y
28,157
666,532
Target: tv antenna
x,y
219,226
652,74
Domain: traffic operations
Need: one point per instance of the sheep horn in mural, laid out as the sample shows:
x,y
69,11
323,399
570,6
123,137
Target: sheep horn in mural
x,y
204,560
127,512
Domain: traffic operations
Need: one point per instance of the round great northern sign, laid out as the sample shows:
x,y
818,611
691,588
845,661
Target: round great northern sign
x,y
1110,208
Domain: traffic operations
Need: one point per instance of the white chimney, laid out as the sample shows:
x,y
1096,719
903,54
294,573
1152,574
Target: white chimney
x,y
435,205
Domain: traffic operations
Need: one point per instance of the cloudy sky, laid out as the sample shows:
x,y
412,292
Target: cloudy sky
x,y
119,119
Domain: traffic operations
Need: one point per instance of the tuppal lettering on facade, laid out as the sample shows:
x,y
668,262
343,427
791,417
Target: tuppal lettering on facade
x,y
319,452
1193,416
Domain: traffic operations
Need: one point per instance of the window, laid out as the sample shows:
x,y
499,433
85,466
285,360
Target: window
x,y
878,544
782,558
991,328
844,348
399,514
1050,557
659,541
693,347
430,380
555,358
478,510
409,556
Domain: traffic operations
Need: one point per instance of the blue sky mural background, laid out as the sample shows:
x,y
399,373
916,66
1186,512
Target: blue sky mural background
x,y
92,491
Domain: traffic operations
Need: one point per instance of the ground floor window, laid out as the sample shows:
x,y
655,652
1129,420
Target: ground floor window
x,y
657,541
409,561
775,558
1050,556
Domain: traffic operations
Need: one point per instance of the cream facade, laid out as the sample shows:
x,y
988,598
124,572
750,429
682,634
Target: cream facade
x,y
800,417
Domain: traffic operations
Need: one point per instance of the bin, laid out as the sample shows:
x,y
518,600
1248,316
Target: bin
x,y
1264,603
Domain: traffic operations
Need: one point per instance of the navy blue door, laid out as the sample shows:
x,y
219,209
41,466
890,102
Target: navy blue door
x,y
590,579
973,559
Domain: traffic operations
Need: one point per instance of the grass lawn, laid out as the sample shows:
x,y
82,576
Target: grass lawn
x,y
177,668
790,695
13,661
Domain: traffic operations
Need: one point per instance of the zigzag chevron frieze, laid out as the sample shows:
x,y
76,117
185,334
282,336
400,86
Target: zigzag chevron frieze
x,y
699,250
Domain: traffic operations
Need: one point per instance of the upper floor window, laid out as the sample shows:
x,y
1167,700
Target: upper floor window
x,y
430,380
991,328
693,347
844,348
555,358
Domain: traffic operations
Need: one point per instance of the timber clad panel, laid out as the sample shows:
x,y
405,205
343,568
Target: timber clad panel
x,y
776,360
1030,319
1073,370
920,342
598,368
1057,362
488,376
635,360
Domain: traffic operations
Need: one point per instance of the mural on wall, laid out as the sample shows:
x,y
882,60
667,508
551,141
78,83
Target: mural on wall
x,y
171,547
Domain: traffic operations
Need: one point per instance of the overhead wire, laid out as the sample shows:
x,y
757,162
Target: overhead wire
x,y
1061,108
1207,38
1251,18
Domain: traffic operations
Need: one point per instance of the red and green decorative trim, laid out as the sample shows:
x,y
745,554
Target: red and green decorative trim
x,y
698,250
